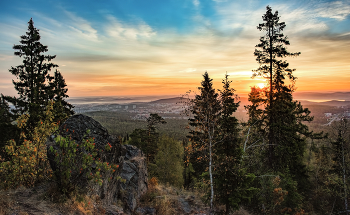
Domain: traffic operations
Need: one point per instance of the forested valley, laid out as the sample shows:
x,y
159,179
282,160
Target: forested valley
x,y
276,155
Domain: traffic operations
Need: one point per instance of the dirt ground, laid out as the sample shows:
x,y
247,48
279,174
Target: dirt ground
x,y
37,200
42,199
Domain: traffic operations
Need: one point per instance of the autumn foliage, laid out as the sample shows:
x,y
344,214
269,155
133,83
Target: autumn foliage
x,y
27,163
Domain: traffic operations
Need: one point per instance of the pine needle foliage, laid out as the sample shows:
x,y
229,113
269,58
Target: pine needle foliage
x,y
278,118
204,133
232,182
34,83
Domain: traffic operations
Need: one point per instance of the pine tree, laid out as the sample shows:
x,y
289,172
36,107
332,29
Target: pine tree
x,y
34,80
232,182
62,109
341,167
147,139
152,136
280,117
8,130
206,110
274,69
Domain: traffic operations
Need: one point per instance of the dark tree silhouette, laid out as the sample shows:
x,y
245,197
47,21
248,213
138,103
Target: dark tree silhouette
x,y
279,118
206,110
341,167
146,139
273,68
7,129
232,182
62,109
152,135
34,83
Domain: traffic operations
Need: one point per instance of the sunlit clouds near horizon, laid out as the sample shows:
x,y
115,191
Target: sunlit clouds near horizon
x,y
136,47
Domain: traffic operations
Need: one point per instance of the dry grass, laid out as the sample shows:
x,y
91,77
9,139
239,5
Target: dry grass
x,y
44,199
241,211
168,200
5,203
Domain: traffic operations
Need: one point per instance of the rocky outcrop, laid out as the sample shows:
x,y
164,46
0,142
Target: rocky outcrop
x,y
132,163
134,172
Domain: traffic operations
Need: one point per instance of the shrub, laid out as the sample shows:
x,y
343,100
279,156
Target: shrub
x,y
169,161
27,162
79,160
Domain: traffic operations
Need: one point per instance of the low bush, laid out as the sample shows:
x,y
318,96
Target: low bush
x,y
77,162
26,163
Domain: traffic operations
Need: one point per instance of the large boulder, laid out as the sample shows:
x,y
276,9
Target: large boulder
x,y
132,163
134,171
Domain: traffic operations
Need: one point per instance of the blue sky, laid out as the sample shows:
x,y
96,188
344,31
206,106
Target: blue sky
x,y
162,47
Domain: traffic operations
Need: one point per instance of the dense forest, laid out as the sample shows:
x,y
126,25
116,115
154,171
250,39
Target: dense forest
x,y
278,159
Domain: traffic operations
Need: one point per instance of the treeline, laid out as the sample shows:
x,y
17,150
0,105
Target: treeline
x,y
271,164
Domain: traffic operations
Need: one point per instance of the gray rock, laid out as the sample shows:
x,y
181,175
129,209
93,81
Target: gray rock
x,y
145,210
131,161
134,171
185,206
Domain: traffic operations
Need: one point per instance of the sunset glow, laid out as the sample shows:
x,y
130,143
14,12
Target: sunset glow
x,y
261,85
120,48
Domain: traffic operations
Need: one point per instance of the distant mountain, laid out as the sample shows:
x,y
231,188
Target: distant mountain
x,y
244,101
328,103
322,96
112,99
169,100
313,98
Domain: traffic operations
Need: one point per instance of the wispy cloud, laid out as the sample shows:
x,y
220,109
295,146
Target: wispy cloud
x,y
81,26
124,31
336,10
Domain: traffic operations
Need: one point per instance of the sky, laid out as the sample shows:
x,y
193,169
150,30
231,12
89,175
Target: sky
x,y
163,47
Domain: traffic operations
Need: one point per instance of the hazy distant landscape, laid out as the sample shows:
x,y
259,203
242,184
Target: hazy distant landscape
x,y
121,115
129,103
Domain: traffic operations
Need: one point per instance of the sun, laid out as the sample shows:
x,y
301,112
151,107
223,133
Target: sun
x,y
260,85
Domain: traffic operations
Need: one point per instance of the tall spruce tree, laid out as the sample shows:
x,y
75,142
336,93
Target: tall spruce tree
x,y
34,82
206,110
274,69
232,182
280,117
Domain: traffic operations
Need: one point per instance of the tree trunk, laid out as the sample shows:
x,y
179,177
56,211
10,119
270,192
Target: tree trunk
x,y
211,178
271,119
